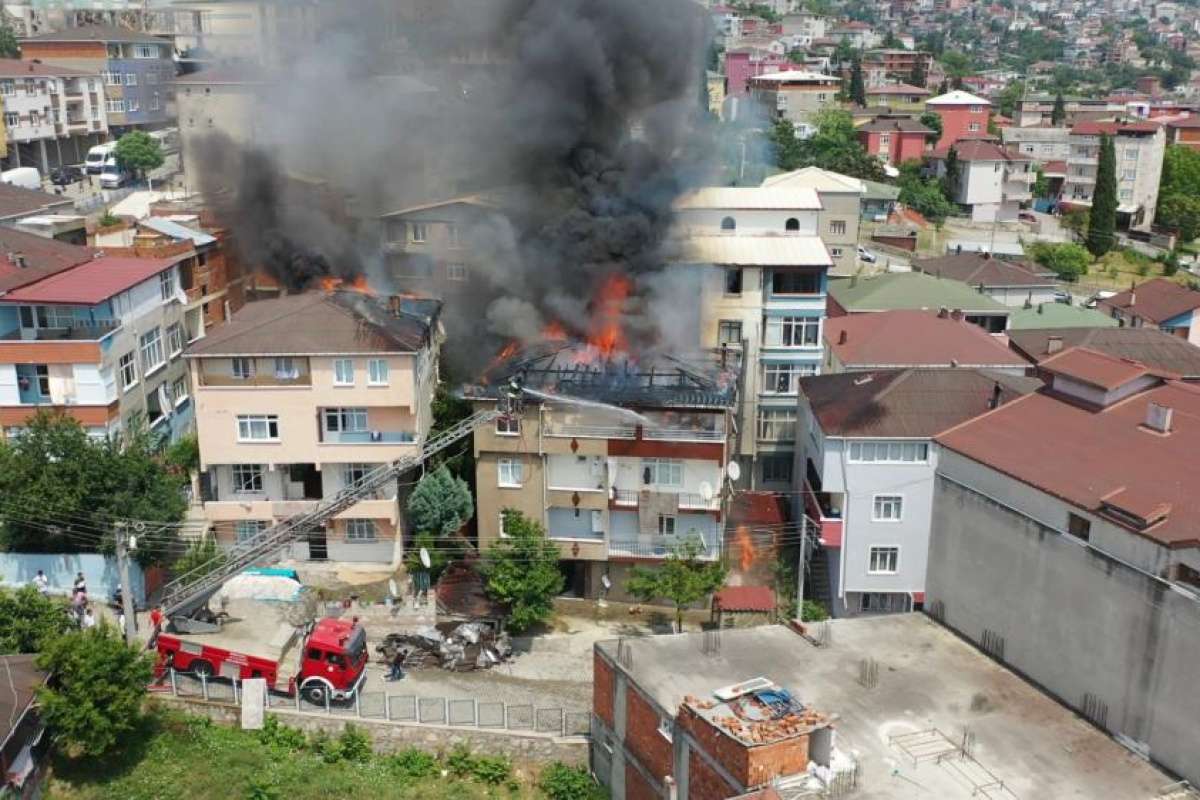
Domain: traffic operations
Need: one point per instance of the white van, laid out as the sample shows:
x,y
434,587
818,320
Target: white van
x,y
112,175
97,156
25,177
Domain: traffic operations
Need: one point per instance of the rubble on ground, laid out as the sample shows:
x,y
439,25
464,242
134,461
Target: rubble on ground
x,y
457,646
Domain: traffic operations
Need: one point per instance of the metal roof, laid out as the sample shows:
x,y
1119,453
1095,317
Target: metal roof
x,y
795,75
957,98
821,180
764,251
911,290
750,198
169,227
91,282
1061,315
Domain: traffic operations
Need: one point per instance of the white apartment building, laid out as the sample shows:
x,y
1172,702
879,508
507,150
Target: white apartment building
x,y
993,182
52,115
762,269
793,95
803,27
1139,149
1038,144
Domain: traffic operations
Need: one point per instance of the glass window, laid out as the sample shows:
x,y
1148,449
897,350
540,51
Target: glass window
x,y
776,424
662,471
377,372
888,508
128,371
247,478
131,79
180,390
166,284
791,282
243,368
152,350
1079,527
258,427
666,525
417,232
353,473
508,426
884,560
247,530
360,530
837,226
456,272
889,452
728,224
346,420
511,472
777,468
175,338
793,331
343,372
729,331
733,280
285,369
784,378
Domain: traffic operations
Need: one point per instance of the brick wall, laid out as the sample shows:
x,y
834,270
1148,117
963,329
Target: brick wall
x,y
642,738
752,766
636,787
603,689
704,783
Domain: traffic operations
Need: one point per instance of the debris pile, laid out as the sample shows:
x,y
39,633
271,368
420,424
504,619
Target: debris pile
x,y
457,646
758,713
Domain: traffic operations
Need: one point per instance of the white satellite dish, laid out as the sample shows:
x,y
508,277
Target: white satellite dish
x,y
425,562
392,589
706,491
733,471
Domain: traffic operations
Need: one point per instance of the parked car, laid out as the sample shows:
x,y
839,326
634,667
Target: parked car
x,y
866,255
67,174
113,175
25,177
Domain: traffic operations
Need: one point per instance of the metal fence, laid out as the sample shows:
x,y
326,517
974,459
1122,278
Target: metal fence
x,y
443,711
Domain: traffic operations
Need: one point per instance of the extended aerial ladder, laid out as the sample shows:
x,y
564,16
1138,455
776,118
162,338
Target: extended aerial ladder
x,y
189,593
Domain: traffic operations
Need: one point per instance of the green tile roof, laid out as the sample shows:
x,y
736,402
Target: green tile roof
x,y
1058,315
891,291
881,191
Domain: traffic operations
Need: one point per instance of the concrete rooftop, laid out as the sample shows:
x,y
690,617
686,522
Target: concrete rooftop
x,y
928,678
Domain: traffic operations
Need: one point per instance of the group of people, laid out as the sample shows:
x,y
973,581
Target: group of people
x,y
81,610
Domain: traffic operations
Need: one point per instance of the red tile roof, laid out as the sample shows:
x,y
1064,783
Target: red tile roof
x,y
92,282
757,508
1055,168
914,339
1097,369
744,598
43,257
1157,300
1187,122
25,68
979,150
1111,128
1099,460
897,88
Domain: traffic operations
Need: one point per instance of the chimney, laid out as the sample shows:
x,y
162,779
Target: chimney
x,y
1158,417
19,259
994,402
943,312
843,336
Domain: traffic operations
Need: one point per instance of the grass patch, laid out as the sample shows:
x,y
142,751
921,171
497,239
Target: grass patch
x,y
1119,268
179,755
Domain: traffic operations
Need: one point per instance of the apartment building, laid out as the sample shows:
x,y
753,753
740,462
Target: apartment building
x,y
792,95
231,30
52,115
895,139
137,70
897,96
1039,144
841,198
964,116
897,64
744,63
97,336
218,98
613,487
1139,148
803,27
762,269
300,396
993,183
866,462
433,247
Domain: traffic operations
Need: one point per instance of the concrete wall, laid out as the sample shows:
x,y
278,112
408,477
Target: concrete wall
x,y
19,569
1096,632
845,208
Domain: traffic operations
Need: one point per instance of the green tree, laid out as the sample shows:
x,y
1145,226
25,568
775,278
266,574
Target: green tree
x,y
1058,114
138,152
1178,197
958,65
9,47
521,571
844,53
1102,221
1076,221
1068,260
1041,186
951,176
933,121
440,505
918,76
857,91
923,195
1009,96
1182,212
834,146
95,697
28,619
202,557
682,579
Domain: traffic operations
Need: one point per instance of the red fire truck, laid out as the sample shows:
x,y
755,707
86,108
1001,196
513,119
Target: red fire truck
x,y
332,664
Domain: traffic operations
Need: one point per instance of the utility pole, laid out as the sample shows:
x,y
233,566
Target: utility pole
x,y
800,568
122,544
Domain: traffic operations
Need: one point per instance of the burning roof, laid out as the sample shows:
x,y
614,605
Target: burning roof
x,y
757,712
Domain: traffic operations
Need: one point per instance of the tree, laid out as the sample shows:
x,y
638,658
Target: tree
x,y
1010,95
834,146
1076,221
857,92
1058,114
9,47
1102,221
1178,204
933,121
918,76
1182,212
1068,260
28,619
1041,186
683,578
521,571
95,697
201,558
951,175
844,52
138,152
440,505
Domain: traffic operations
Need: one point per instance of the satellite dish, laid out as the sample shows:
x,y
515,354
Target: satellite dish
x,y
706,491
604,580
733,471
425,562
392,590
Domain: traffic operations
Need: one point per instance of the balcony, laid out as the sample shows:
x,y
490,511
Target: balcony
x,y
368,437
660,547
77,332
1021,176
825,509
574,431
628,498
258,379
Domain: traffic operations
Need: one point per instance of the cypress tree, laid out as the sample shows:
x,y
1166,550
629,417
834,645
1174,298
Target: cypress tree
x,y
858,90
951,177
918,77
1058,114
1102,221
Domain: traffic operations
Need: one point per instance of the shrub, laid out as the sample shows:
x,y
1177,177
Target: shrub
x,y
355,744
275,734
261,789
562,782
1068,260
460,762
413,764
494,770
814,611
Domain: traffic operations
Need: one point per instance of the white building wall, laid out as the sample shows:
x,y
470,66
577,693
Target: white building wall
x,y
749,221
10,394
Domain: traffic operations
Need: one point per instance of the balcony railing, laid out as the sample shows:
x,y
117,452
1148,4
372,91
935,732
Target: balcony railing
x,y
262,379
368,437
683,434
591,431
686,500
659,547
588,535
81,331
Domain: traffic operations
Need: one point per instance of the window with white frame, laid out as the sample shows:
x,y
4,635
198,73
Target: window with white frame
x,y
784,378
155,103
1125,194
115,106
887,508
976,109
258,427
889,452
345,420
1129,174
128,371
377,372
776,424
973,127
152,350
837,226
666,525
242,368
883,560
12,119
417,232
35,119
795,282
175,338
500,528
131,79
662,472
456,272
1131,154
665,727
247,478
112,78
180,390
145,51
8,87
343,372
508,426
453,238
132,105
510,472
286,369
353,473
793,331
361,530
247,530
885,139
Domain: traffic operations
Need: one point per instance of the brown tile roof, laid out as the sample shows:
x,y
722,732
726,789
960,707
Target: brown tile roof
x,y
317,322
979,150
906,402
1098,369
914,339
1187,122
17,201
982,269
1151,347
895,124
98,33
1055,168
744,598
43,257
1157,300
1093,458
896,88
1089,128
32,68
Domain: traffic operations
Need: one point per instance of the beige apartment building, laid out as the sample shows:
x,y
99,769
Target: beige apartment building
x,y
841,208
300,396
793,95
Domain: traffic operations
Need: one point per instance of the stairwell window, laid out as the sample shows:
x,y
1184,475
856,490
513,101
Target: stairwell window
x,y
343,372
353,473
361,531
662,472
247,478
258,427
777,424
666,525
883,561
510,472
887,508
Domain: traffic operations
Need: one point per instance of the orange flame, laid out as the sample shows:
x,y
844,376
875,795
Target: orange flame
x,y
606,335
329,283
746,547
359,284
506,352
554,332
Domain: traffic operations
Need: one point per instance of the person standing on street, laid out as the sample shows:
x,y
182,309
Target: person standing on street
x,y
80,584
41,582
397,670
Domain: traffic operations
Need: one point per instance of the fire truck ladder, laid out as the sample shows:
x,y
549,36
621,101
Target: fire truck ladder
x,y
190,592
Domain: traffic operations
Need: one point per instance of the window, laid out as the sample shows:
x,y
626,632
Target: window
x,y
1079,527
145,51
345,420
729,224
791,282
377,372
776,424
417,232
733,280
1125,194
175,339
285,369
664,727
35,119
885,139
793,331
666,525
154,102
115,106
12,119
511,472
243,368
343,372
889,452
131,79
112,78
777,468
888,508
360,530
973,127
128,371
883,561
152,351
247,478
508,426
179,390
837,226
132,105
353,473
662,472
8,88
456,272
452,237
976,109
1131,154
835,252
1129,174
247,530
258,428
792,225
784,378
729,331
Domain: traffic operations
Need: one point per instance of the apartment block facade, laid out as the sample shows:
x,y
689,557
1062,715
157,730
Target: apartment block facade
x,y
841,198
1139,149
993,182
793,94
52,115
964,116
300,396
